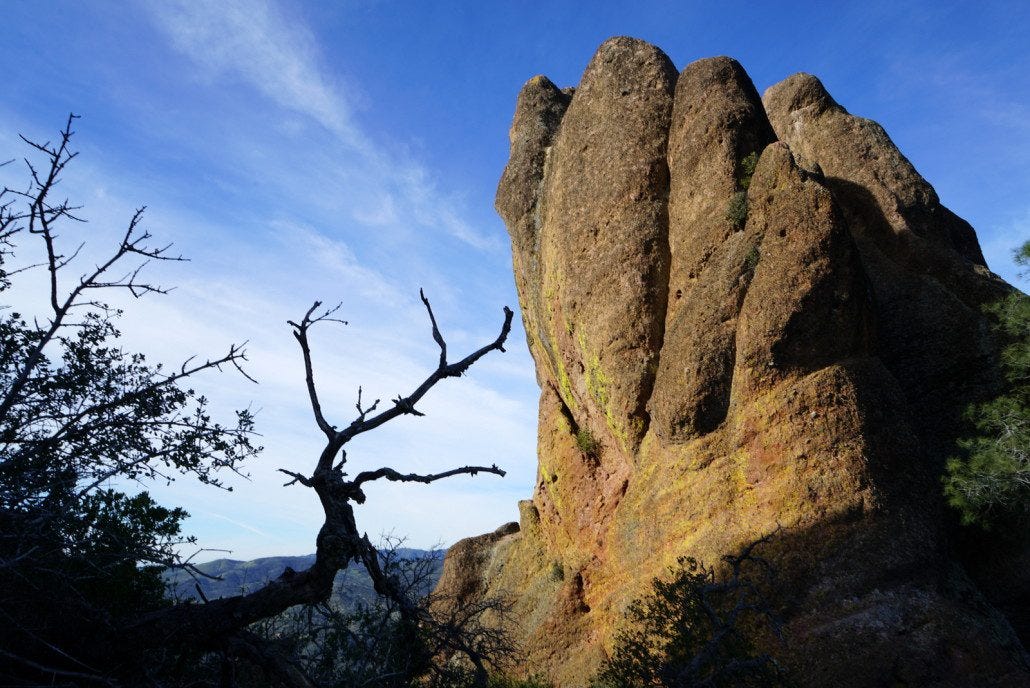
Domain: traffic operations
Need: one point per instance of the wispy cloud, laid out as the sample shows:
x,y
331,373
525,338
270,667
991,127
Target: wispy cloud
x,y
238,524
256,42
336,256
259,43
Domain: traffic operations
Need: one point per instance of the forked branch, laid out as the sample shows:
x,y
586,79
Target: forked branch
x,y
300,333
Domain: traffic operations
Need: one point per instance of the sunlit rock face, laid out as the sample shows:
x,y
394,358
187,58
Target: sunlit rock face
x,y
747,316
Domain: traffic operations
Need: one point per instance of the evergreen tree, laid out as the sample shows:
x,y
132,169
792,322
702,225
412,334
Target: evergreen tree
x,y
988,481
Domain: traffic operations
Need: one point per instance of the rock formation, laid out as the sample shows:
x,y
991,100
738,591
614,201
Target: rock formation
x,y
708,377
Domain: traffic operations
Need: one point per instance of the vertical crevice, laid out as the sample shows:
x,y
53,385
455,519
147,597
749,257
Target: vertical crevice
x,y
662,286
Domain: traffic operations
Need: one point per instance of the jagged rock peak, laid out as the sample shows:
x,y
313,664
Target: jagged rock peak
x,y
859,152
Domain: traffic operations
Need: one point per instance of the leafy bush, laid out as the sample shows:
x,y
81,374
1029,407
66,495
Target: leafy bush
x,y
736,211
505,682
990,476
690,631
754,254
747,169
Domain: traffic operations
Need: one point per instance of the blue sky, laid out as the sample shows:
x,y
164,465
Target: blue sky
x,y
349,151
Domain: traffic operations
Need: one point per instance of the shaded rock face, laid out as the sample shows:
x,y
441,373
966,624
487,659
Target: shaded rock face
x,y
707,378
924,264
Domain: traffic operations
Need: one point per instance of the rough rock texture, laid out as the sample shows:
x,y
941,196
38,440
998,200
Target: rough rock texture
x,y
709,269
538,111
705,380
601,201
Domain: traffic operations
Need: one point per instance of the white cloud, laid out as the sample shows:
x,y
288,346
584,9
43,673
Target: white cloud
x,y
255,41
335,255
381,211
259,43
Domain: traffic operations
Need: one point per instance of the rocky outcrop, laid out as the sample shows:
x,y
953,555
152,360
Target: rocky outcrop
x,y
745,318
602,202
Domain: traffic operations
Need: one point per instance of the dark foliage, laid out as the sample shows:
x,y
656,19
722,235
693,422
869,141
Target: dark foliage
x,y
988,480
81,422
694,630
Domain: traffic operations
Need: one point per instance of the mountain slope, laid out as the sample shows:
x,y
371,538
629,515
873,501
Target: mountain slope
x,y
352,586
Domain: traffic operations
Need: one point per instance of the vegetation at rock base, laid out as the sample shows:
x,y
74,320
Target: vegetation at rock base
x,y
692,630
373,644
82,600
988,481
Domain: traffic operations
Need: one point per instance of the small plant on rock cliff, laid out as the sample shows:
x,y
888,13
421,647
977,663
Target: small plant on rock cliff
x,y
989,479
736,211
747,169
752,258
587,443
690,631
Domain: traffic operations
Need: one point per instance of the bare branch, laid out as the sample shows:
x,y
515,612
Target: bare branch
x,y
437,337
270,658
406,405
395,476
297,478
300,333
362,412
54,671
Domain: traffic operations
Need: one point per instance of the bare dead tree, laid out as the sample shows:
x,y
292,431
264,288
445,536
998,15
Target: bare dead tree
x,y
59,447
339,542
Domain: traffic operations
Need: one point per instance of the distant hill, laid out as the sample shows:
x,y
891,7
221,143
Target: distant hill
x,y
352,584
